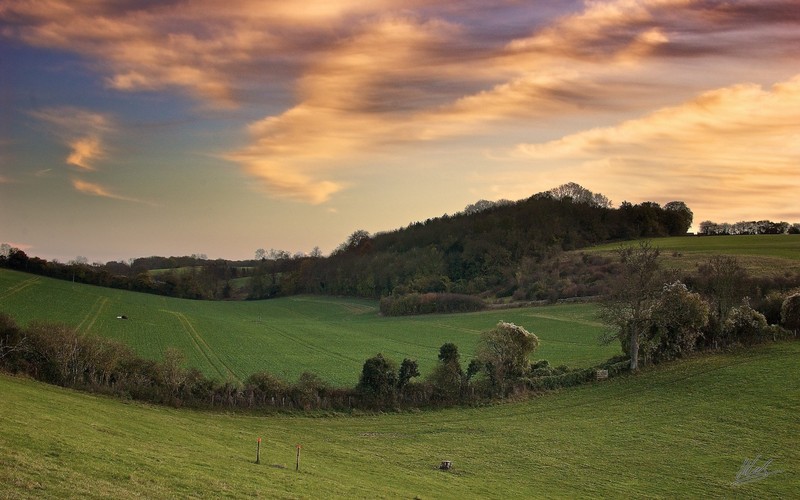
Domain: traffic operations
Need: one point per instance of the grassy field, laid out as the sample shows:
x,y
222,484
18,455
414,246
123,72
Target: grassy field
x,y
760,254
328,336
682,430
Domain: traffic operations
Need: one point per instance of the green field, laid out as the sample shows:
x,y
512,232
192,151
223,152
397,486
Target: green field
x,y
681,430
760,254
328,336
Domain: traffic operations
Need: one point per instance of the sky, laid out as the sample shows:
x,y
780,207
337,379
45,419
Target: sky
x,y
176,127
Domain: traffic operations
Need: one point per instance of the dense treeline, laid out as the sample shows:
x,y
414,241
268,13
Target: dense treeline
x,y
491,248
496,249
185,277
710,228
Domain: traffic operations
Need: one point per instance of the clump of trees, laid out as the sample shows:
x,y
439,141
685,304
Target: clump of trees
x,y
656,317
710,228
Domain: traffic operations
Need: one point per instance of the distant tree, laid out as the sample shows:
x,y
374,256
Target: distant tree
x,y
679,218
722,280
448,353
790,313
408,370
378,379
5,250
745,325
579,194
678,317
447,377
503,352
80,260
12,339
360,242
261,254
173,374
626,309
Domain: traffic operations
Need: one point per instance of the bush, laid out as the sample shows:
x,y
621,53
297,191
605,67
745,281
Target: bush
x,y
428,303
745,325
378,381
790,313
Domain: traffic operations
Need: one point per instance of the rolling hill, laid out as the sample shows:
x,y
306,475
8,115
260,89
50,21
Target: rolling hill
x,y
329,336
682,430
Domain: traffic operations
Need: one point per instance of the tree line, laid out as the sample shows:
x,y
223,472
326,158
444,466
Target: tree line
x,y
491,248
710,228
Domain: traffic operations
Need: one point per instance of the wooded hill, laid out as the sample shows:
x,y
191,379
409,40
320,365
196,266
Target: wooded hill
x,y
497,249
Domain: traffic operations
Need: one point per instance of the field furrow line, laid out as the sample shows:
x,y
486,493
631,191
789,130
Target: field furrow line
x,y
102,305
88,314
202,346
308,345
20,286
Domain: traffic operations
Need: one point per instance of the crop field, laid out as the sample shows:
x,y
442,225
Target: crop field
x,y
328,336
760,254
681,430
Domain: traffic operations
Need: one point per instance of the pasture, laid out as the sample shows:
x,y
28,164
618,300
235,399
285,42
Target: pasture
x,y
331,337
765,254
681,430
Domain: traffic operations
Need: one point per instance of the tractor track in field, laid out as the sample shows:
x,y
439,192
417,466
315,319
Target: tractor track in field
x,y
20,287
202,346
97,308
307,345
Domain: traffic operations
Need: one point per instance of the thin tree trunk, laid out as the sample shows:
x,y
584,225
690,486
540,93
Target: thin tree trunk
x,y
634,350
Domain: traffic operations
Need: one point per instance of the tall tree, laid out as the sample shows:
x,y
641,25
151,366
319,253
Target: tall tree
x,y
503,352
626,308
722,280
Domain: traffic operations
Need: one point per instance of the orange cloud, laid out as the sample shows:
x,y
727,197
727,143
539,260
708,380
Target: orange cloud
x,y
731,147
369,76
94,189
80,130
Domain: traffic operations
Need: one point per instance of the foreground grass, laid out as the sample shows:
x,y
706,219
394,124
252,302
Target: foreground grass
x,y
765,254
680,431
328,336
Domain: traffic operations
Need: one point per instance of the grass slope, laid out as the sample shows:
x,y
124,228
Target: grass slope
x,y
679,431
328,336
760,254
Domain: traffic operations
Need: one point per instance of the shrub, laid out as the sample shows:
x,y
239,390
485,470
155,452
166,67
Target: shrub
x,y
790,313
428,303
745,325
504,352
378,381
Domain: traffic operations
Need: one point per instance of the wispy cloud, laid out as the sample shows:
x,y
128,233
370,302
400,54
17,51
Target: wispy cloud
x,y
374,76
81,131
731,147
95,189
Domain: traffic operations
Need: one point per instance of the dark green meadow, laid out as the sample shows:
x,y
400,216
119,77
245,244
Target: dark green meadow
x,y
331,337
681,430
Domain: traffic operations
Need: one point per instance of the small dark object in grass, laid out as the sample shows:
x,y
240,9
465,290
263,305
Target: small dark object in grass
x,y
122,316
446,465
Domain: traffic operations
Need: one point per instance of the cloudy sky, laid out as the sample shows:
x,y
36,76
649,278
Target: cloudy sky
x,y
171,127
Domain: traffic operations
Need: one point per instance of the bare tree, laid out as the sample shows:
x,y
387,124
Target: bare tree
x,y
626,309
